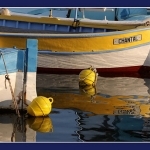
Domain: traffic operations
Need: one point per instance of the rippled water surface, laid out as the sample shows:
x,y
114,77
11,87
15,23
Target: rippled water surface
x,y
117,109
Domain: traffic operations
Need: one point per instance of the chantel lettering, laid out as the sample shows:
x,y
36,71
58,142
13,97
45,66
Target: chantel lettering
x,y
121,41
134,38
128,39
124,40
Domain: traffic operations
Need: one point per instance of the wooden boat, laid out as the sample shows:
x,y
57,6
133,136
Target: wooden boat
x,y
121,51
111,96
115,51
106,21
18,76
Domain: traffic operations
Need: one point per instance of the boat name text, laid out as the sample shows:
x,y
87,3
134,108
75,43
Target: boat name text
x,y
127,39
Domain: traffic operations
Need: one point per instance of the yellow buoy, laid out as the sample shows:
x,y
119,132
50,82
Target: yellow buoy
x,y
40,124
88,90
88,77
40,106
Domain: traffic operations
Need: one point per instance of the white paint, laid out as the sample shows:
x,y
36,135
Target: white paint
x,y
16,80
124,58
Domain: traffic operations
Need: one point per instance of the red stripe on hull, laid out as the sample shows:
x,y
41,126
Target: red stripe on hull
x,y
136,71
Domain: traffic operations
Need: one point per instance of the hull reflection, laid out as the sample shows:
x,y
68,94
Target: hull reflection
x,y
117,109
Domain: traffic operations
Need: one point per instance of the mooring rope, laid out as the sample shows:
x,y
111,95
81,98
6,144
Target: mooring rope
x,y
11,90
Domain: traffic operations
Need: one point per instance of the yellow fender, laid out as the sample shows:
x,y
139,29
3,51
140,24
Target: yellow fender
x,y
88,77
40,106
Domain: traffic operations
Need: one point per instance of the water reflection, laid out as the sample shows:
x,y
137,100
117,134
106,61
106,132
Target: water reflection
x,y
23,129
40,124
19,130
117,109
103,128
14,129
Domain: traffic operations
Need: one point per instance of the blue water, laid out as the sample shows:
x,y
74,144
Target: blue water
x,y
64,127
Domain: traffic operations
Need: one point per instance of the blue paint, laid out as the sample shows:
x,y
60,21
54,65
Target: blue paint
x,y
50,27
10,23
31,54
22,25
10,59
1,22
36,26
20,62
62,28
14,58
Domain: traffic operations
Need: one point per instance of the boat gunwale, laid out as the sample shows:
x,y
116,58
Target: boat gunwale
x,y
28,17
66,35
83,22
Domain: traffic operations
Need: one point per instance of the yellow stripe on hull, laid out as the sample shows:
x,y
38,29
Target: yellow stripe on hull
x,y
103,42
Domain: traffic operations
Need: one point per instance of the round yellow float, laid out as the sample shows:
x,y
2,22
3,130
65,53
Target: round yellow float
x,y
88,77
40,106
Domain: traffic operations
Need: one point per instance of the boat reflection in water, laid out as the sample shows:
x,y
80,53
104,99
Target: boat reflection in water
x,y
22,129
117,109
14,129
